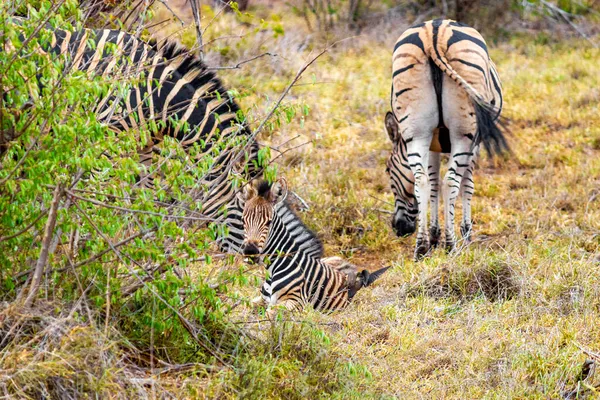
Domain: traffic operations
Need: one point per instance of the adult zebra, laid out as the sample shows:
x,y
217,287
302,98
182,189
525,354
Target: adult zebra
x,y
446,97
297,273
174,92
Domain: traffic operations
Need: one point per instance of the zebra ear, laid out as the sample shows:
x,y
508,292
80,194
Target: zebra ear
x,y
247,192
391,126
279,190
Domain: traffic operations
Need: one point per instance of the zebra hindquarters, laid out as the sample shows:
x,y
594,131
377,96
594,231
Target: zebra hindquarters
x,y
460,118
416,109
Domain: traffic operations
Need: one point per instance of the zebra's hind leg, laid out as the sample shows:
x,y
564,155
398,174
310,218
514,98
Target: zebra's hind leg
x,y
418,159
467,189
457,165
434,178
459,117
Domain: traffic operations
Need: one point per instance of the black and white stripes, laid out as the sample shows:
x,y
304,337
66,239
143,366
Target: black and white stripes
x,y
445,98
163,89
297,275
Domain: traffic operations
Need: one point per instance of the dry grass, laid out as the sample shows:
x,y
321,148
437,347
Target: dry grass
x,y
500,319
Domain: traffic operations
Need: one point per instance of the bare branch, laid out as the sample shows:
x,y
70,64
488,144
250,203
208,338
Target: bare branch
x,y
383,201
238,65
282,153
43,258
226,5
197,17
96,256
592,354
287,89
164,3
129,210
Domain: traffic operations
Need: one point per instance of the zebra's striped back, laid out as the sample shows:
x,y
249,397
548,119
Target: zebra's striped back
x,y
171,85
457,51
172,93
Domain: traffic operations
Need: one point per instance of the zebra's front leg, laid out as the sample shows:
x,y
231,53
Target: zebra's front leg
x,y
467,188
457,166
285,306
434,179
418,159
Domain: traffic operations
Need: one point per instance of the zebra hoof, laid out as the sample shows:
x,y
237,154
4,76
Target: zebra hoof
x,y
465,231
434,236
450,246
421,250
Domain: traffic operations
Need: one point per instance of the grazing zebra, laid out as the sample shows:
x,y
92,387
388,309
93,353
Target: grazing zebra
x,y
172,91
446,98
297,275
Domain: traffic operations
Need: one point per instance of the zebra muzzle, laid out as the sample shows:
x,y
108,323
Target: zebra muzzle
x,y
402,226
250,249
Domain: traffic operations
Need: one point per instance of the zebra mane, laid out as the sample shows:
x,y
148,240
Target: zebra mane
x,y
189,62
306,239
263,188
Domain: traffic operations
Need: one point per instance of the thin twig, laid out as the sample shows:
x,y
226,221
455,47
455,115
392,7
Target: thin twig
x,y
276,148
383,201
383,211
562,14
216,16
129,210
164,3
94,257
263,123
197,17
183,367
592,354
238,65
282,153
302,201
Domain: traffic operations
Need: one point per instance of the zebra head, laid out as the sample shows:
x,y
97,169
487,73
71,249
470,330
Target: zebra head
x,y
402,181
260,201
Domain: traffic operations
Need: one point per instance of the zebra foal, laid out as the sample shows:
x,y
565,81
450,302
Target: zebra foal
x,y
446,97
297,273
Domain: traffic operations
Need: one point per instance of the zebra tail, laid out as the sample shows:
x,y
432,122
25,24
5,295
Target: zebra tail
x,y
490,126
363,279
369,277
490,129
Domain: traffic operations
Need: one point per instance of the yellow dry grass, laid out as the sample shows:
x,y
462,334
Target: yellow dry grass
x,y
504,317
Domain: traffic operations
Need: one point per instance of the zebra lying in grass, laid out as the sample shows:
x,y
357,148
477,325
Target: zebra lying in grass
x,y
446,98
297,273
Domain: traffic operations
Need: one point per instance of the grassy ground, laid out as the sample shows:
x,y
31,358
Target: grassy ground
x,y
502,318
